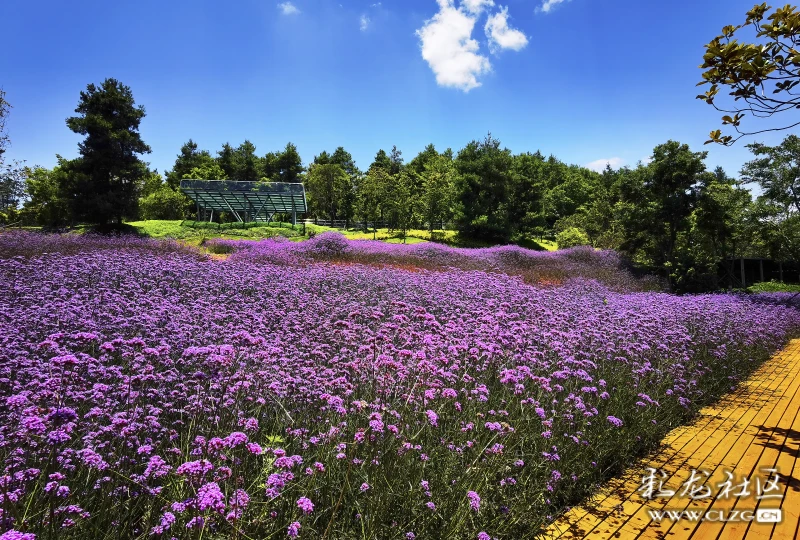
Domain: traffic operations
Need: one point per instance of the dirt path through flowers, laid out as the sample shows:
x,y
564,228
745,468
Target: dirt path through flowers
x,y
744,453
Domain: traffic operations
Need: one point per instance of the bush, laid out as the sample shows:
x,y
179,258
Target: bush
x,y
572,237
165,203
773,286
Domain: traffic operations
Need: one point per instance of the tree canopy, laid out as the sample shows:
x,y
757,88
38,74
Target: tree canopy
x,y
102,184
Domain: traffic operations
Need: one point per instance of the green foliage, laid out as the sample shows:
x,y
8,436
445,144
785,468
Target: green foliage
x,y
761,76
370,195
572,237
207,171
5,109
102,184
656,203
399,200
196,231
12,175
327,186
289,164
382,161
246,163
152,183
164,203
45,205
777,171
189,159
773,286
484,188
438,189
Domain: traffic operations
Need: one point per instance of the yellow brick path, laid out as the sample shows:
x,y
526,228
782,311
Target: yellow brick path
x,y
754,428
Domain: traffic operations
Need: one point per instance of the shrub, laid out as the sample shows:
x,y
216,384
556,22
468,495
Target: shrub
x,y
773,286
572,237
165,203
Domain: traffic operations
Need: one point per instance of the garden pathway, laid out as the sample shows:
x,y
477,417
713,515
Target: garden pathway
x,y
755,428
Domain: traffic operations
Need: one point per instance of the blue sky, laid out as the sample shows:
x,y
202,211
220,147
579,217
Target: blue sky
x,y
585,80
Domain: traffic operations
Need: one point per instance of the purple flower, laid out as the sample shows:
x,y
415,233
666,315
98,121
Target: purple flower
x,y
16,535
474,500
305,504
364,487
614,421
293,530
194,468
433,418
210,497
237,438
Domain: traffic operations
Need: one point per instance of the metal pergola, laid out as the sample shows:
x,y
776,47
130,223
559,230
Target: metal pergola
x,y
246,201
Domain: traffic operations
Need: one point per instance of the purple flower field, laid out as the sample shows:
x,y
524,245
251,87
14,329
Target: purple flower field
x,y
536,267
150,392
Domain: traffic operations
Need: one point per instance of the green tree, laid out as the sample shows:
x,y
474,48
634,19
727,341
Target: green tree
x,y
777,171
290,165
189,158
347,203
572,237
657,201
395,161
207,171
438,187
399,201
270,167
248,165
103,183
526,204
12,175
484,186
5,109
382,160
761,77
226,159
325,185
152,183
165,203
45,205
371,191
719,224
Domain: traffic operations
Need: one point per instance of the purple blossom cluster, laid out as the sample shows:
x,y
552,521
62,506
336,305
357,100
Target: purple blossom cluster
x,y
540,267
158,394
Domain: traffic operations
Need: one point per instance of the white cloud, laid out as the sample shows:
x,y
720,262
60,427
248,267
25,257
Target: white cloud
x,y
476,6
364,23
647,160
547,5
501,36
599,165
447,45
375,5
287,8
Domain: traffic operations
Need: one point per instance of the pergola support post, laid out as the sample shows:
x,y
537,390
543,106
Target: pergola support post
x,y
741,267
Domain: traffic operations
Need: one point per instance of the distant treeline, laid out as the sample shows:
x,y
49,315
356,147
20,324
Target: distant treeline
x,y
670,214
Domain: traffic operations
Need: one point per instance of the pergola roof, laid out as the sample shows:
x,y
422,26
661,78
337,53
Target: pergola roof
x,y
253,198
